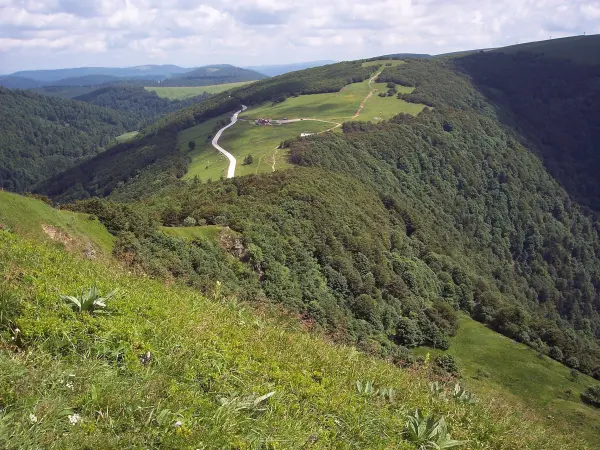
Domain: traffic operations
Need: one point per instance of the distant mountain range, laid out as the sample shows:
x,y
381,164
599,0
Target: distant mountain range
x,y
280,69
170,75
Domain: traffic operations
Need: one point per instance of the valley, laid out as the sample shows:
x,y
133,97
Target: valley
x,y
328,258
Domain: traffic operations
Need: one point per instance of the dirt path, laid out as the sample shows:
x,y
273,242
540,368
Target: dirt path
x,y
364,102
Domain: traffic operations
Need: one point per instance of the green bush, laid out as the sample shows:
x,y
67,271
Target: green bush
x,y
592,395
447,363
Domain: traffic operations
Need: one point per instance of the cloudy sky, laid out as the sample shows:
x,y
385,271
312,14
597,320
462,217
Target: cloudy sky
x,y
37,34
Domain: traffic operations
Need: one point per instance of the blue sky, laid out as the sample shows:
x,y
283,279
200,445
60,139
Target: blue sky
x,y
38,34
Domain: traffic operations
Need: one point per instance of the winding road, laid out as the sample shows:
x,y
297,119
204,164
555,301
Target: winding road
x,y
215,144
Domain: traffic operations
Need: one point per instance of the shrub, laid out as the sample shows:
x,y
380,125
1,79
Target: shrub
x,y
191,145
573,362
248,160
189,222
447,363
556,353
408,333
592,396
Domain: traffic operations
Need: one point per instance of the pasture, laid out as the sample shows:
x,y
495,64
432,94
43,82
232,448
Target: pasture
x,y
381,62
182,93
494,363
340,106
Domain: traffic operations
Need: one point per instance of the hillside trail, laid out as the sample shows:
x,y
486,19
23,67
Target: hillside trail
x,y
215,144
364,102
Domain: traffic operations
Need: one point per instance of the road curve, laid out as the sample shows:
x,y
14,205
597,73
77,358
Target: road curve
x,y
215,144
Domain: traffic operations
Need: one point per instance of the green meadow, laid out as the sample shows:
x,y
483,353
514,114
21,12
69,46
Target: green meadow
x,y
340,106
37,220
127,136
382,62
493,363
242,139
182,93
261,142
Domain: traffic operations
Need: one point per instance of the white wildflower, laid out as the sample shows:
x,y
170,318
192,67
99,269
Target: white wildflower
x,y
74,419
69,385
32,418
177,424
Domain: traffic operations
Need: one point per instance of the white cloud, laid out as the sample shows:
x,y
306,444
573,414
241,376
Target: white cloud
x,y
59,33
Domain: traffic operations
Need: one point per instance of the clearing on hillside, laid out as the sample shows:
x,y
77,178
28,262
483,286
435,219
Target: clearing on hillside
x,y
340,106
182,93
126,136
383,62
242,139
546,385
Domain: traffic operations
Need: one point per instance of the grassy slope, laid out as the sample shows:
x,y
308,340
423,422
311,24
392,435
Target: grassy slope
x,y
338,107
208,357
515,370
27,215
262,141
380,62
207,162
182,93
245,138
126,136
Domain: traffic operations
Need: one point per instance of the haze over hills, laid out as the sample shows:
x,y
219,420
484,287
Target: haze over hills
x,y
439,214
279,69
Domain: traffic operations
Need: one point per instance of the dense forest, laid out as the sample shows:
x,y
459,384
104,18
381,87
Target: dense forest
x,y
217,74
555,105
42,136
137,102
461,216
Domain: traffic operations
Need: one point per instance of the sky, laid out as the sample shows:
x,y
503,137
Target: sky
x,y
49,34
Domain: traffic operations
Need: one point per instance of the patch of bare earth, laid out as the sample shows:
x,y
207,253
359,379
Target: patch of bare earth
x,y
71,244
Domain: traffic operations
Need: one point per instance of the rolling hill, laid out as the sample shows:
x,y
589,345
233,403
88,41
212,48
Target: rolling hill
x,y
52,76
211,371
215,74
435,199
279,69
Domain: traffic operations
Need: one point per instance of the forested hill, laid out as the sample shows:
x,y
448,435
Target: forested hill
x,y
157,143
550,92
41,136
137,102
216,74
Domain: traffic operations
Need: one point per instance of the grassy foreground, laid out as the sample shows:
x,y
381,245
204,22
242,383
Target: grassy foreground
x,y
494,363
182,93
169,368
35,219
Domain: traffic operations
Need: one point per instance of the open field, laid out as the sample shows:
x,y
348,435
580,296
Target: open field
x,y
381,62
240,140
127,136
262,141
35,219
181,93
515,370
207,163
340,106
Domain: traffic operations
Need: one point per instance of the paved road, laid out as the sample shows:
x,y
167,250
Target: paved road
x,y
215,143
